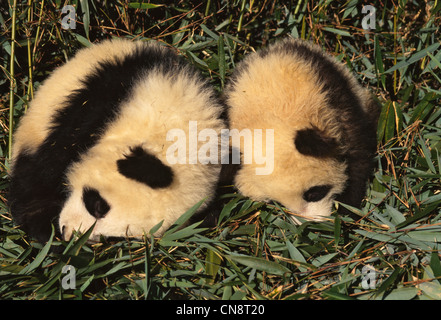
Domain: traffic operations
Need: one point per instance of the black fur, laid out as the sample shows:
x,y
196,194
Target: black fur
x,y
144,167
313,142
37,193
94,203
316,193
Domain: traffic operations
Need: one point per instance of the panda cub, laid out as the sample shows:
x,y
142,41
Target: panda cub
x,y
93,145
323,122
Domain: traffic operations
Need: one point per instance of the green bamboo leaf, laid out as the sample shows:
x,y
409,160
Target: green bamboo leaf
x,y
379,62
212,264
260,264
435,265
390,122
337,230
403,293
426,236
40,257
183,218
189,46
352,5
418,111
434,62
79,243
336,296
355,250
235,39
381,127
436,7
156,227
144,6
85,42
414,58
11,268
338,31
228,291
434,199
427,157
321,260
431,289
182,233
226,210
210,33
375,235
397,216
177,37
198,61
86,16
87,283
388,282
421,213
297,256
117,267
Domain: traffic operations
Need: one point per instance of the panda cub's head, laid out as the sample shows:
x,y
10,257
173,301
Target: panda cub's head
x,y
94,146
323,126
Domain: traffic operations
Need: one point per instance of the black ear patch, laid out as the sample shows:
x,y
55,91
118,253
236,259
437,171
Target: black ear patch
x,y
94,203
144,167
313,142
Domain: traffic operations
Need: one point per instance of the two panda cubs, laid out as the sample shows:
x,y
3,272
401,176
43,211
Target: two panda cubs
x,y
92,147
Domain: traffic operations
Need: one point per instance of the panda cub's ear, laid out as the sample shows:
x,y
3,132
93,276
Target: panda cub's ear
x,y
314,142
144,167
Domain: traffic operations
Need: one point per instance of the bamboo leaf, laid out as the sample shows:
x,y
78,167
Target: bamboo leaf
x,y
397,217
184,218
144,6
435,265
210,33
212,264
182,233
431,289
414,58
260,264
79,243
40,257
388,282
379,62
86,16
338,31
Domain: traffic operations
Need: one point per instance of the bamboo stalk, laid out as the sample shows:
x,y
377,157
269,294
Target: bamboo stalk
x,y
12,79
30,62
37,35
242,11
207,8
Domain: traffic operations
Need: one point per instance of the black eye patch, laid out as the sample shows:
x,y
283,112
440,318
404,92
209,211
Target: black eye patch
x,y
94,203
316,193
144,167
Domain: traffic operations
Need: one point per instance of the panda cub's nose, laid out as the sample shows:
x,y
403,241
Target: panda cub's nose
x,y
66,233
63,229
94,203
